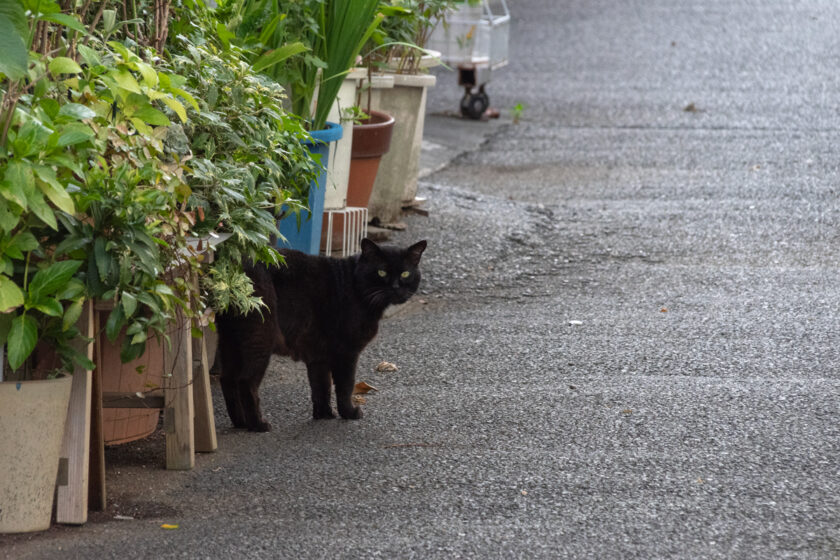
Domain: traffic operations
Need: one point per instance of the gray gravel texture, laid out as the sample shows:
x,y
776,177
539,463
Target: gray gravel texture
x,y
626,345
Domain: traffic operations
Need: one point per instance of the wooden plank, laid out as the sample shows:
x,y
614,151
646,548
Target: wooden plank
x,y
152,400
96,480
178,394
205,422
72,498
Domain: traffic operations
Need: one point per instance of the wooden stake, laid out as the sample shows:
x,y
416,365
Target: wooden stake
x,y
72,498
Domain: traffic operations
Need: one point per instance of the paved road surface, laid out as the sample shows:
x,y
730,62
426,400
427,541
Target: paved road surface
x,y
629,341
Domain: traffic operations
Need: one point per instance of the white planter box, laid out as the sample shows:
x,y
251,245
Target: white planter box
x,y
396,181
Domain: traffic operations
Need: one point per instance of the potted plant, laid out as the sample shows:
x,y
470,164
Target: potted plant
x,y
331,32
41,298
97,204
398,48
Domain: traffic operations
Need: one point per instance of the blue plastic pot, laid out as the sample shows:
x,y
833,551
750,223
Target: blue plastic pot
x,y
308,238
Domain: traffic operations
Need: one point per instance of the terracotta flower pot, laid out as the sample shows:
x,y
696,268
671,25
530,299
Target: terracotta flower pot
x,y
122,425
371,140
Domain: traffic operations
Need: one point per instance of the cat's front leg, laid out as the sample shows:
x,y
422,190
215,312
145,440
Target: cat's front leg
x,y
344,377
319,384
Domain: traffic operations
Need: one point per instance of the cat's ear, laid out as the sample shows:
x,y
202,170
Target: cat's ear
x,y
415,252
369,248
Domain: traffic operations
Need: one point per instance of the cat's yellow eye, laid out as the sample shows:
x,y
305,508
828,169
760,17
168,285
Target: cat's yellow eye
x,y
405,274
382,273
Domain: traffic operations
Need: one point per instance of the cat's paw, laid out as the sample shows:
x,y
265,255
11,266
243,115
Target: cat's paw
x,y
352,413
260,427
323,414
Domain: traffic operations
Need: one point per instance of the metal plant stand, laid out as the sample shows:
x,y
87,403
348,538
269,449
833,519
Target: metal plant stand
x,y
474,38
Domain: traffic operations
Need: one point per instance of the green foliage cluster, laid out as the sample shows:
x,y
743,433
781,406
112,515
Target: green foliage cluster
x,y
114,155
248,156
320,38
401,39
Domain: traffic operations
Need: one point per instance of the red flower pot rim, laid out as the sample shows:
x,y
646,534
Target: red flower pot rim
x,y
372,136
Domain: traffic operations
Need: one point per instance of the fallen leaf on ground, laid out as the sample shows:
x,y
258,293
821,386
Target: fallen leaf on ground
x,y
664,310
386,366
361,388
168,526
627,411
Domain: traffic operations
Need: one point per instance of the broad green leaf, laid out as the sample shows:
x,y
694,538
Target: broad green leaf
x,y
163,289
126,81
72,314
18,180
150,77
54,190
131,352
48,281
39,207
151,116
15,12
176,106
114,324
14,60
104,262
8,219
141,126
31,139
50,106
13,192
24,242
23,336
75,133
73,289
109,20
64,65
187,97
129,303
77,111
49,306
122,50
139,337
67,21
276,56
11,296
90,55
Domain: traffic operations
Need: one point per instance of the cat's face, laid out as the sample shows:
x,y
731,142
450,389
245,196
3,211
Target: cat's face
x,y
388,275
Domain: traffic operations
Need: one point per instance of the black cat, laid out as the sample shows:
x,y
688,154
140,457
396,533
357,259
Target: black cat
x,y
322,311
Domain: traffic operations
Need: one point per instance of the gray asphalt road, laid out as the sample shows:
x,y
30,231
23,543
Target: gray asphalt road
x,y
627,342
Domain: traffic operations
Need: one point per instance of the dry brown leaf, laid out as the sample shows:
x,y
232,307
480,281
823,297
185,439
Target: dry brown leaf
x,y
627,411
664,310
386,366
361,388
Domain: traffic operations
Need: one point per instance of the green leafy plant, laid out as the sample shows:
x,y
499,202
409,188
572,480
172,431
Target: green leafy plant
x,y
399,43
88,201
248,159
332,32
516,112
